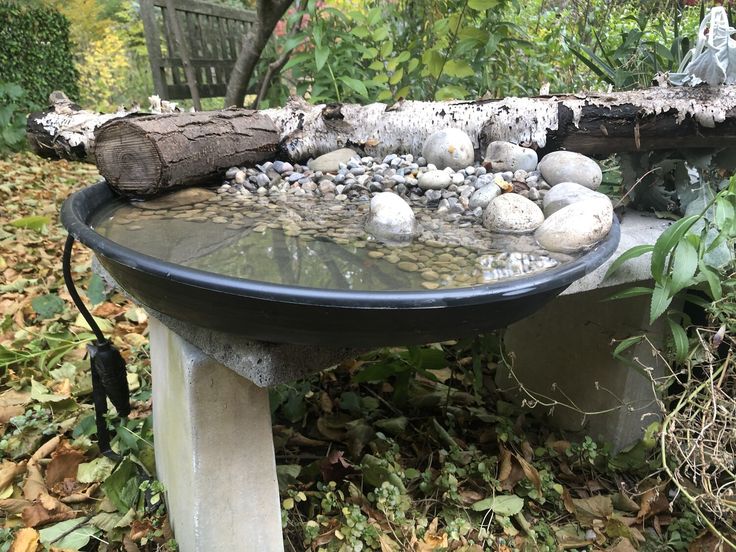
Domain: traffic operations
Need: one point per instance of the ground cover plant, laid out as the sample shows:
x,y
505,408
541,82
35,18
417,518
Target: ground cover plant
x,y
401,449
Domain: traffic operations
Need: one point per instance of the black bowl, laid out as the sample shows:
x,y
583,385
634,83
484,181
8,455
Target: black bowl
x,y
290,314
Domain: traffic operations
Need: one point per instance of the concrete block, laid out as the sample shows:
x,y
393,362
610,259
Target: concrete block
x,y
564,352
636,229
214,450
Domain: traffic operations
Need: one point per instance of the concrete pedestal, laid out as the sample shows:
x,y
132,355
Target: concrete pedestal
x,y
564,351
214,450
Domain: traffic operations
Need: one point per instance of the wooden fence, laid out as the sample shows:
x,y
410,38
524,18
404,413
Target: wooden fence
x,y
211,37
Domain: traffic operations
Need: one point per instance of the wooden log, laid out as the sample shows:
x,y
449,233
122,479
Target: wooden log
x,y
145,156
149,154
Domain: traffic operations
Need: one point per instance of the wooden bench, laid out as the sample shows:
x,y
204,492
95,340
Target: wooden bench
x,y
211,38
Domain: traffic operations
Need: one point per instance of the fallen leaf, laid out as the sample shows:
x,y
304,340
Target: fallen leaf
x,y
12,404
531,474
34,485
588,510
14,506
708,542
140,529
63,465
46,509
653,502
335,467
26,540
8,472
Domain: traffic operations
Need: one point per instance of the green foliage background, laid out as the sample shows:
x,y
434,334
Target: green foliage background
x,y
35,51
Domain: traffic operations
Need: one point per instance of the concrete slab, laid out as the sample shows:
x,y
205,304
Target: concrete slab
x,y
214,450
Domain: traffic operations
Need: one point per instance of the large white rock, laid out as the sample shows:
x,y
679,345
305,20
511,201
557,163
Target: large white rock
x,y
330,162
569,166
512,214
450,147
390,218
567,193
577,226
434,180
505,156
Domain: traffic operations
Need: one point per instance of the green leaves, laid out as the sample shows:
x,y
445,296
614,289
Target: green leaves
x,y
502,505
632,253
482,5
48,306
666,243
35,222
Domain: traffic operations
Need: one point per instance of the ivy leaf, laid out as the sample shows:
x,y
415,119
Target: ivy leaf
x,y
122,486
356,85
502,505
482,5
48,306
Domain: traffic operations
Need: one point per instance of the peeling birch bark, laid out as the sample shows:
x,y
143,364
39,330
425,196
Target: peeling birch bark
x,y
594,124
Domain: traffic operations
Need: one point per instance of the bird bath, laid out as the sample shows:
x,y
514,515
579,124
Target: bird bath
x,y
305,296
396,310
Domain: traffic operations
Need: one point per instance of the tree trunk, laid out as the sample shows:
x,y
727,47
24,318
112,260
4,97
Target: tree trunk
x,y
268,14
596,124
144,156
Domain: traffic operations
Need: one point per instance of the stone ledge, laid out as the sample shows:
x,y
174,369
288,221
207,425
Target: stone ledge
x,y
636,229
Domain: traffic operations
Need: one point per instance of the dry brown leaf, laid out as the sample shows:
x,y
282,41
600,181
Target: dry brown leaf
x,y
26,540
432,539
76,498
387,543
14,506
45,510
34,485
595,508
653,502
567,501
12,403
504,470
531,474
63,388
140,529
63,465
47,448
129,545
708,542
8,472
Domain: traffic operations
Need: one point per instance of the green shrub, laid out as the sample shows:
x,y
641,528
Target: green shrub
x,y
35,51
13,109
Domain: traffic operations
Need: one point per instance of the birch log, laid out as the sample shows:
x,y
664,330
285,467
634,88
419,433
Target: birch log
x,y
594,124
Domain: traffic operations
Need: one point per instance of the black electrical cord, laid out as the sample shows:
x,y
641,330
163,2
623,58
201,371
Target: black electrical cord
x,y
107,365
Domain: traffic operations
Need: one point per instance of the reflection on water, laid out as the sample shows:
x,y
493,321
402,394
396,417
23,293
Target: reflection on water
x,y
319,244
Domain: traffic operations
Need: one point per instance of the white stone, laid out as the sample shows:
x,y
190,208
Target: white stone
x,y
434,180
450,147
577,226
390,218
512,214
214,450
567,193
505,156
569,166
483,196
330,162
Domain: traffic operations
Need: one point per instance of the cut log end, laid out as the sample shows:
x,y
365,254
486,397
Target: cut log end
x,y
129,160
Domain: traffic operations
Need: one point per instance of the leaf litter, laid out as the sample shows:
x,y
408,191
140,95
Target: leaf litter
x,y
401,449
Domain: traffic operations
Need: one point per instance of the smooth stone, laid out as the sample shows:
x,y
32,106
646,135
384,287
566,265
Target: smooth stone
x,y
390,218
434,180
408,266
179,198
569,166
482,197
430,285
567,193
505,156
430,275
330,162
577,226
512,214
450,147
240,177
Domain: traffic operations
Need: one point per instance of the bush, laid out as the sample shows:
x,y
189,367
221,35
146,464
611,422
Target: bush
x,y
13,110
35,51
